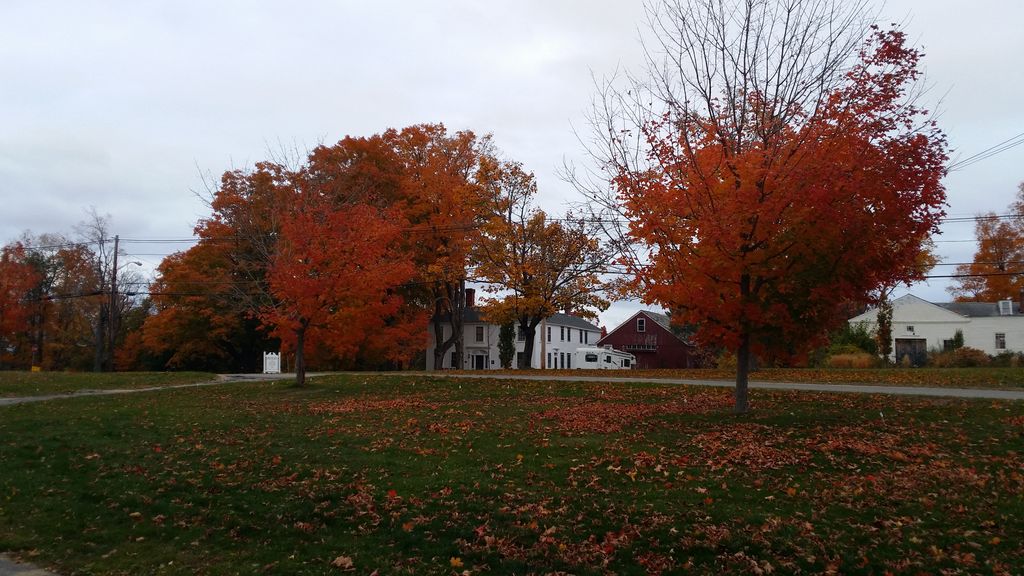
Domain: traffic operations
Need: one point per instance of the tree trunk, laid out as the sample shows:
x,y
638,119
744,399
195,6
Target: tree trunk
x,y
458,299
455,295
440,344
38,337
529,331
300,357
742,405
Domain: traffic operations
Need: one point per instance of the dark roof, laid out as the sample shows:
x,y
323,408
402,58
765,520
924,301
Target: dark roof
x,y
661,319
472,315
572,322
977,309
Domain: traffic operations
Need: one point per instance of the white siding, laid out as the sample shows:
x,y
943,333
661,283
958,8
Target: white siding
x,y
557,346
916,318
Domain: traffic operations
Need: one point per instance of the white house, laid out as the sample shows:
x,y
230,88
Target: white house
x,y
919,326
559,337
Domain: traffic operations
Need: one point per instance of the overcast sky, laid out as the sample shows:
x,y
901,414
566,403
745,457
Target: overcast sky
x,y
125,105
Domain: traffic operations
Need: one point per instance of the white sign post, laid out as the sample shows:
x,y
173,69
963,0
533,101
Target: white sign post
x,y
271,362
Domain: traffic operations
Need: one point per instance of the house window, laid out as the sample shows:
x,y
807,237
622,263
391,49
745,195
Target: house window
x,y
586,337
520,335
549,333
910,328
641,324
455,361
561,333
561,359
947,345
479,333
549,360
519,359
568,360
1000,341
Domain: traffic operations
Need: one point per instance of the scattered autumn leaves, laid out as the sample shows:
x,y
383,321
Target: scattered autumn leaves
x,y
406,476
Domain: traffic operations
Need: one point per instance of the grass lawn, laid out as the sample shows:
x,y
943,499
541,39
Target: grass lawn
x,y
996,378
407,475
43,383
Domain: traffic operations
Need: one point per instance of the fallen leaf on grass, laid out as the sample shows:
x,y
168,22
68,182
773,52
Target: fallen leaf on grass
x,y
344,563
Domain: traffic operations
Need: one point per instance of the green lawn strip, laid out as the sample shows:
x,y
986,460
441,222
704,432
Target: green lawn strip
x,y
15,384
994,378
410,476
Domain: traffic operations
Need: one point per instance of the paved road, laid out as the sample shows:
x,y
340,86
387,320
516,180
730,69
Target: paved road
x,y
754,384
757,384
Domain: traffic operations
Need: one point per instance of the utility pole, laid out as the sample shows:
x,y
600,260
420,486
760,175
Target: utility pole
x,y
112,322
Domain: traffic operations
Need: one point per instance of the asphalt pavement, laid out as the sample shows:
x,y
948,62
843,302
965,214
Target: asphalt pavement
x,y
765,385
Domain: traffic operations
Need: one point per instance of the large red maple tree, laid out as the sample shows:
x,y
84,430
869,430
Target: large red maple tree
x,y
781,180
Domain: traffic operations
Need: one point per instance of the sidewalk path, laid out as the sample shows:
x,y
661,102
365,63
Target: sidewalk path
x,y
981,393
10,568
222,379
764,385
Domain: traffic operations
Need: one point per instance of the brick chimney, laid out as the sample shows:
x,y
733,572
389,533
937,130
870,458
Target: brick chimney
x,y
470,297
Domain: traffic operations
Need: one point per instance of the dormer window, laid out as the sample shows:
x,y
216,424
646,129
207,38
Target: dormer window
x,y
641,324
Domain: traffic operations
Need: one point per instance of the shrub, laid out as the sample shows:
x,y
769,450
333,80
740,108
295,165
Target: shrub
x,y
858,336
857,359
843,349
960,358
726,361
1007,360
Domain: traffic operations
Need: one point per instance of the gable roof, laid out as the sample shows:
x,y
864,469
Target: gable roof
x,y
473,315
961,309
571,321
977,309
660,319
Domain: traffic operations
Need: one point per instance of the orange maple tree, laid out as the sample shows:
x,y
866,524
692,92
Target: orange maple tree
x,y
206,298
766,203
194,322
997,270
333,278
536,265
17,279
432,177
443,198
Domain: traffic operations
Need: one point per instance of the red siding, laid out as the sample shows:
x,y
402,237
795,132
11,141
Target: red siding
x,y
655,347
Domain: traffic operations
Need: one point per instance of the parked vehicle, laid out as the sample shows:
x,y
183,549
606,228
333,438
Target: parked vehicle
x,y
606,358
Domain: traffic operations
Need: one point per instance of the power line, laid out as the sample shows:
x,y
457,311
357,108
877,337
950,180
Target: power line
x,y
987,153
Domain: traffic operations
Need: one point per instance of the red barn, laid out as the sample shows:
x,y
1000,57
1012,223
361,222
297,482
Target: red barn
x,y
649,336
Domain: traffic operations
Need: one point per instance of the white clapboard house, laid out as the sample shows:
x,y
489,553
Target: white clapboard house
x,y
562,334
919,326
